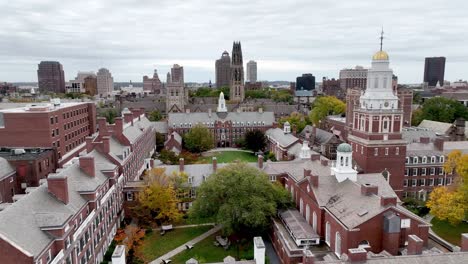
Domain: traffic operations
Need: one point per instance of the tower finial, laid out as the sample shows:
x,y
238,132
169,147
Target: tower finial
x,y
381,39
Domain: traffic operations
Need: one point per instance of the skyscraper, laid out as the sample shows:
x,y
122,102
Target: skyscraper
x,y
434,70
353,78
237,74
176,96
223,70
305,82
105,83
252,71
153,84
51,77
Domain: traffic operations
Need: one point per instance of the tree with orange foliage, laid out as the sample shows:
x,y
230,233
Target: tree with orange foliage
x,y
447,204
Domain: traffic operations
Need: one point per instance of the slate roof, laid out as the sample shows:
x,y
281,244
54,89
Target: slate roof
x,y
446,258
161,127
41,209
5,168
132,133
278,135
413,134
203,117
438,127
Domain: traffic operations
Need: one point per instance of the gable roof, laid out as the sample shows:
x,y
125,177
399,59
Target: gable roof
x,y
278,135
438,127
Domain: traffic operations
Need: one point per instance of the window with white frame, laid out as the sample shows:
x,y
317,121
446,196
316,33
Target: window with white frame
x,y
130,196
432,171
376,151
397,151
362,149
386,151
441,159
423,171
415,171
433,159
415,160
441,171
422,182
413,183
406,172
440,181
407,160
449,181
431,182
405,183
424,159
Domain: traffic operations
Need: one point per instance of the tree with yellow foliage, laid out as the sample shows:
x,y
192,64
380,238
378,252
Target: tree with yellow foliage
x,y
158,200
452,204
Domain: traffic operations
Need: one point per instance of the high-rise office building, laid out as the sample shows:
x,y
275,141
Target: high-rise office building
x,y
353,78
223,70
237,74
105,83
252,71
434,70
51,77
153,84
90,85
305,82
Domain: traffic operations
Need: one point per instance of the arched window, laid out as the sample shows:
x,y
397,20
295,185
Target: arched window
x,y
341,161
327,233
433,159
338,244
307,212
314,221
364,244
415,160
442,159
347,161
424,159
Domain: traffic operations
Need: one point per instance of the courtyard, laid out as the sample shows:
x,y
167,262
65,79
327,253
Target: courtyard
x,y
449,232
227,156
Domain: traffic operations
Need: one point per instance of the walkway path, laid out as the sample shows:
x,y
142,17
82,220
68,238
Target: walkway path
x,y
181,248
188,226
227,149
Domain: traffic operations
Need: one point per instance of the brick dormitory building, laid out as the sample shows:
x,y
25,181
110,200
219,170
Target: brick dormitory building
x,y
73,216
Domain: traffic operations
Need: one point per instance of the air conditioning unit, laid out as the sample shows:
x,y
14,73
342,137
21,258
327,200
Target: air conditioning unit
x,y
18,151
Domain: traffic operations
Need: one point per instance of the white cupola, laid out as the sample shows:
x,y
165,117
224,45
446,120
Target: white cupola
x,y
287,128
305,151
343,168
221,103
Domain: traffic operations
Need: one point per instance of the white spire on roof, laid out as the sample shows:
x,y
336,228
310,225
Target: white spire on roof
x,y
221,103
305,151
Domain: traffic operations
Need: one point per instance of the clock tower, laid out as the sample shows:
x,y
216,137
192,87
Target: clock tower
x,y
375,134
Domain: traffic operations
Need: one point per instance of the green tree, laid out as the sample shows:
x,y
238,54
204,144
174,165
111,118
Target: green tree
x,y
441,109
296,119
154,116
324,106
159,141
255,140
451,204
168,157
282,96
110,115
248,206
198,139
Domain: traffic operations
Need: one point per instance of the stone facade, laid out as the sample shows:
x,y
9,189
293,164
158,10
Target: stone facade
x,y
105,83
153,85
176,94
237,92
223,70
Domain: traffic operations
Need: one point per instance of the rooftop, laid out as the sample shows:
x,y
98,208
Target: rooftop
x,y
41,107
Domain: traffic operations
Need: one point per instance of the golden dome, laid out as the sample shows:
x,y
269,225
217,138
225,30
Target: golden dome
x,y
380,55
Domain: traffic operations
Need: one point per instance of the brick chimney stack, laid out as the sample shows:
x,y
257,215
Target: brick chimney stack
x,y
368,189
357,254
464,242
439,143
384,201
260,161
58,186
89,144
181,164
415,245
106,144
118,126
308,257
102,123
87,165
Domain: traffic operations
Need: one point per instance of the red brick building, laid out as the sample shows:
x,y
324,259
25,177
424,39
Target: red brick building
x,y
62,126
7,182
345,209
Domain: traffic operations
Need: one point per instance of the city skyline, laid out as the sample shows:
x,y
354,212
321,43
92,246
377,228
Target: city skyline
x,y
286,42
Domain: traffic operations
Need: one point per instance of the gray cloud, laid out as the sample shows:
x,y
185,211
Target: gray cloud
x,y
287,39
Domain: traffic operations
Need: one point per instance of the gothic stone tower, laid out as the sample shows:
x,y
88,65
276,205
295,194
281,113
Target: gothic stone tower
x,y
237,74
375,132
176,96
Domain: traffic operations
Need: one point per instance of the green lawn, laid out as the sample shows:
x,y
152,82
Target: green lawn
x,y
205,252
449,232
228,156
155,245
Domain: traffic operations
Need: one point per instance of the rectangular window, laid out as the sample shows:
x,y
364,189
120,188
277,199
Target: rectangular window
x,y
415,171
432,171
423,171
422,182
413,183
441,171
397,151
431,182
405,183
51,120
406,172
440,181
449,181
376,151
386,151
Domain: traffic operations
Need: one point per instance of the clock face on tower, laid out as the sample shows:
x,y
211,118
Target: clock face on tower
x,y
386,104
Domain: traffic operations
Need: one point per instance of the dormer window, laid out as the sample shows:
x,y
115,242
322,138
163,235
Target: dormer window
x,y
433,159
424,159
441,159
415,160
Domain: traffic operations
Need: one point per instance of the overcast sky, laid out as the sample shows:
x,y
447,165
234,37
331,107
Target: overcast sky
x,y
131,38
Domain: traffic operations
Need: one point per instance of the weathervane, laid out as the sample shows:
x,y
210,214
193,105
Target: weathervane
x,y
381,39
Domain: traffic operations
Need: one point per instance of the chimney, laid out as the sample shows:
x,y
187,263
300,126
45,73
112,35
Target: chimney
x,y
315,156
58,187
324,162
215,164
118,126
260,161
102,123
259,250
128,117
415,245
367,189
384,201
181,164
106,144
464,242
357,255
314,179
439,143
260,110
424,140
89,144
308,257
87,165
209,112
313,134
187,111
